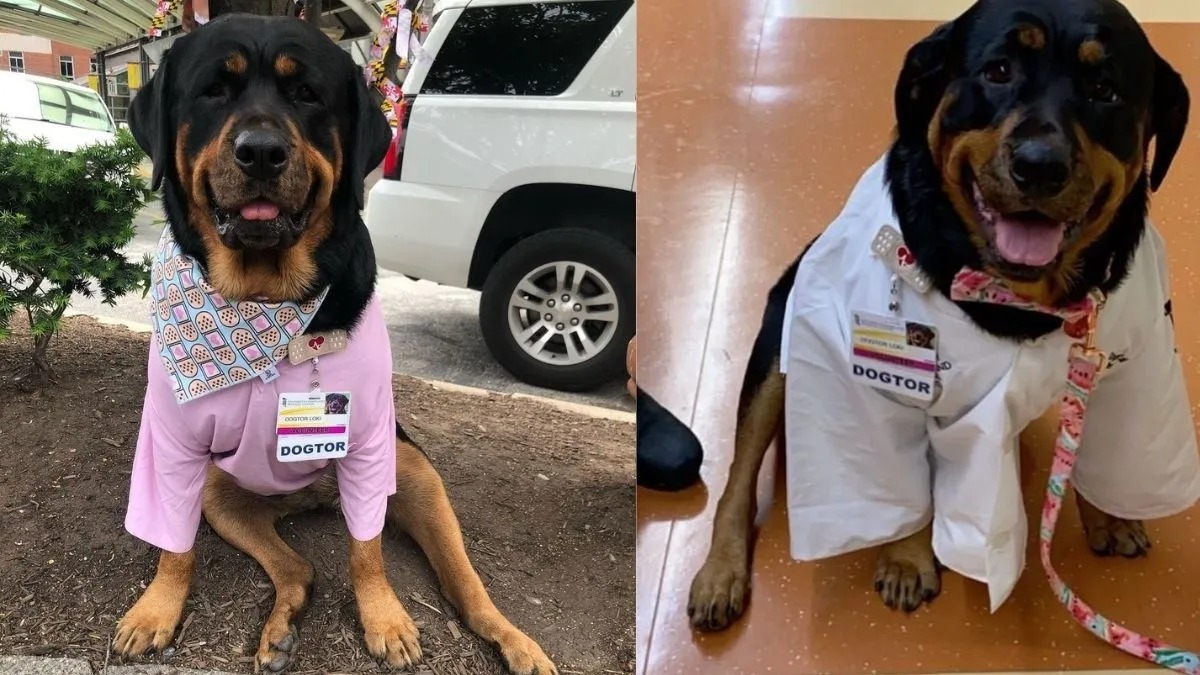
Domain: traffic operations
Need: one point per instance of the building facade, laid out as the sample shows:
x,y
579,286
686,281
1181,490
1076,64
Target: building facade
x,y
49,58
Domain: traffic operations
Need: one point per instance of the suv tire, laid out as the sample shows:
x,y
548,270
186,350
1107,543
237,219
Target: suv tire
x,y
588,268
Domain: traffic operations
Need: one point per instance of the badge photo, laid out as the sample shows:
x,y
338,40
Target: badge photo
x,y
313,426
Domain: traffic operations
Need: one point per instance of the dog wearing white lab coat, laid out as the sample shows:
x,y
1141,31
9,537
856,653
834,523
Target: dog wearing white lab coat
x,y
1022,143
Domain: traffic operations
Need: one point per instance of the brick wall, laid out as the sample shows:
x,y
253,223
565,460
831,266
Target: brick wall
x,y
48,64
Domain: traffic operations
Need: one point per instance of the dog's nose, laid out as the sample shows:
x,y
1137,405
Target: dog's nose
x,y
1040,168
261,153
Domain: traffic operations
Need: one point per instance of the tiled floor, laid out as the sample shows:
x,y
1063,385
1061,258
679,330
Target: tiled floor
x,y
755,119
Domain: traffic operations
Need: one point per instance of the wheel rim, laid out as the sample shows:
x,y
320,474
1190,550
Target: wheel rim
x,y
563,313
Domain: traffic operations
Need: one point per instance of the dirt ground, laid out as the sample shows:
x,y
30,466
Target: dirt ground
x,y
545,498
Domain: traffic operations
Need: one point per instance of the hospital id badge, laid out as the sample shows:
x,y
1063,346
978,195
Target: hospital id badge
x,y
312,426
894,355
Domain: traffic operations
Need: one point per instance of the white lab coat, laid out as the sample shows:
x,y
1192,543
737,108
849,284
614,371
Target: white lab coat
x,y
866,467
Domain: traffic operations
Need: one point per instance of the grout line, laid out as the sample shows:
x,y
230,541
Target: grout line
x,y
658,599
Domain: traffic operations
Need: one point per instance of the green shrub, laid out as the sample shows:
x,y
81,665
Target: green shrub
x,y
64,219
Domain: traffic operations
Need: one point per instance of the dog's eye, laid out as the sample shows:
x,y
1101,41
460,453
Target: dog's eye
x,y
998,72
216,90
305,94
1101,91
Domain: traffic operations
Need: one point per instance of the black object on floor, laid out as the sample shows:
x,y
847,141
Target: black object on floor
x,y
668,453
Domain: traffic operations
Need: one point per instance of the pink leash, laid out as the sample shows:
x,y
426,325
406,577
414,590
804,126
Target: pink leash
x,y
1084,366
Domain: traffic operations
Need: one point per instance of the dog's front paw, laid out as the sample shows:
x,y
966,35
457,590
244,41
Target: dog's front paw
x,y
150,623
391,635
1126,537
277,647
523,656
719,593
906,574
1107,534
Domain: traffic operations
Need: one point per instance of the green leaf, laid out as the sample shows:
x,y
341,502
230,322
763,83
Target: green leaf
x,y
63,220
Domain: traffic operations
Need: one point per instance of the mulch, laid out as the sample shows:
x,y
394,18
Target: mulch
x,y
545,498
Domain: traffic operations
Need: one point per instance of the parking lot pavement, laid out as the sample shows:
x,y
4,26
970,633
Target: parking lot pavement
x,y
36,665
434,330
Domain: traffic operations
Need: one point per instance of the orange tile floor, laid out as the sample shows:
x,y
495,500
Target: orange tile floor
x,y
754,122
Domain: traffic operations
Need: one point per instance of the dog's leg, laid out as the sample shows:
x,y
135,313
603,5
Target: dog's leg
x,y
247,522
152,620
421,508
1107,534
388,630
719,591
906,573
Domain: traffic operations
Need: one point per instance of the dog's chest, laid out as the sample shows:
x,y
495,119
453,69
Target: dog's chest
x,y
973,365
839,281
238,425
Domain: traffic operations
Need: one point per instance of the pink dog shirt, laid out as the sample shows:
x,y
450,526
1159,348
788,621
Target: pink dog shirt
x,y
234,428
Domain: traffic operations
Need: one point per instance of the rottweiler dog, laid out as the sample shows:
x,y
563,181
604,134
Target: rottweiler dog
x,y
1040,114
261,132
336,404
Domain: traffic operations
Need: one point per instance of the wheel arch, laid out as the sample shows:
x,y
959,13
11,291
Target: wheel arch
x,y
529,209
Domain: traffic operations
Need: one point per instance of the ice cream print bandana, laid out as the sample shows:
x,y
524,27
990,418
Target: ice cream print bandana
x,y
1085,364
208,343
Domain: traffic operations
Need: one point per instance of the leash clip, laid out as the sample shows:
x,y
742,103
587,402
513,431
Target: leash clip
x,y
1087,350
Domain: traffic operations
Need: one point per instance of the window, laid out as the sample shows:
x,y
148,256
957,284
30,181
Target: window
x,y
66,67
16,62
73,108
534,49
94,66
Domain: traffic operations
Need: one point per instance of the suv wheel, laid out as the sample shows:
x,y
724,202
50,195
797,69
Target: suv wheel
x,y
557,310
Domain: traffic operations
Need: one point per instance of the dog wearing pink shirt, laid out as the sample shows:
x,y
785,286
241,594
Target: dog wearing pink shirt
x,y
262,131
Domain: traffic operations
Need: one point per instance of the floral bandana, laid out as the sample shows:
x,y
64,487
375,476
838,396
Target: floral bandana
x,y
208,343
1085,365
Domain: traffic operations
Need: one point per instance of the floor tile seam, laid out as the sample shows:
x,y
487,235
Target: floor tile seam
x,y
707,333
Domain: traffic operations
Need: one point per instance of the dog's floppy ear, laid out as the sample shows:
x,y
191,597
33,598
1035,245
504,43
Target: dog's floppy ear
x,y
923,80
150,120
1168,118
368,139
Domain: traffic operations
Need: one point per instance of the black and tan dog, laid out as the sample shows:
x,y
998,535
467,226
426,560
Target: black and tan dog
x,y
1029,116
261,131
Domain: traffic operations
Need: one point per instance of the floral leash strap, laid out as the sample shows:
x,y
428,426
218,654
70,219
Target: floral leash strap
x,y
162,10
1086,363
401,26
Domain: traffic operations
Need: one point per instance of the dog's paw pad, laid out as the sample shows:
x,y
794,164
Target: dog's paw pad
x,y
718,594
394,640
134,640
1117,536
524,657
275,653
146,626
907,578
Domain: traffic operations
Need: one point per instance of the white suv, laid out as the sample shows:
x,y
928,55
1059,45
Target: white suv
x,y
512,173
66,115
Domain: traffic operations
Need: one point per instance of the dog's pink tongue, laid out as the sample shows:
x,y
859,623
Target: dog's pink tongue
x,y
1027,241
260,210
